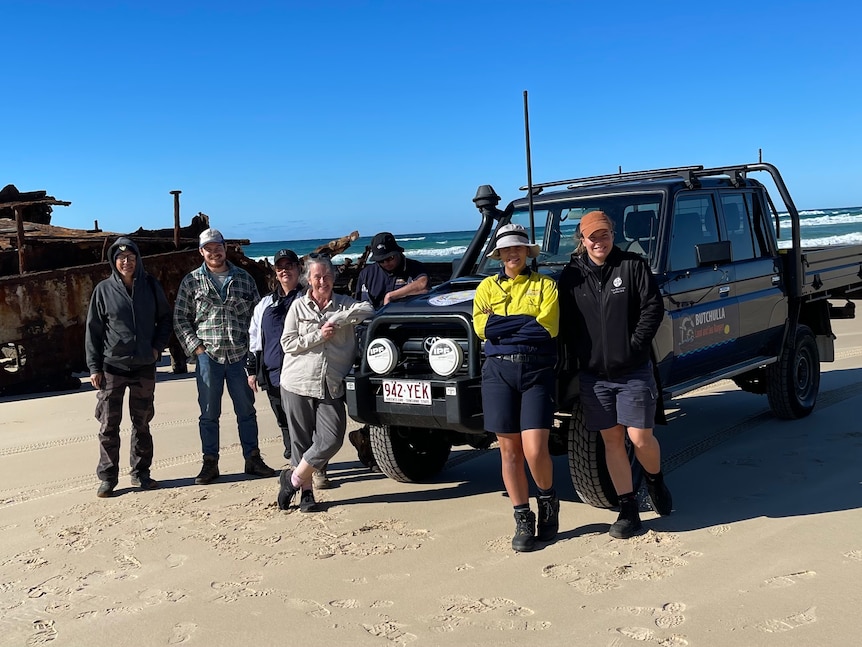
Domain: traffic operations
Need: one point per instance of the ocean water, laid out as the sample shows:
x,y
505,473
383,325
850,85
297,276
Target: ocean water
x,y
820,228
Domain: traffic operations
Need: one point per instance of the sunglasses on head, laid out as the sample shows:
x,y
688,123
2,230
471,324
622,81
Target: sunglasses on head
x,y
315,255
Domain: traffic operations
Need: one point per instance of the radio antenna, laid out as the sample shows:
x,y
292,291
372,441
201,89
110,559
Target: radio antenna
x,y
529,176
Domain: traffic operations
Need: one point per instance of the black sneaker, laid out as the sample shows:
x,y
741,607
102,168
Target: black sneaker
x,y
628,524
209,471
255,466
106,489
525,530
307,502
549,518
659,496
144,482
286,491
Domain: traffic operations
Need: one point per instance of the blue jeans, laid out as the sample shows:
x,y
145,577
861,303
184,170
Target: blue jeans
x,y
211,377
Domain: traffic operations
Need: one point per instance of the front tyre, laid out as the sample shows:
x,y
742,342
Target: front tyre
x,y
588,468
408,454
794,380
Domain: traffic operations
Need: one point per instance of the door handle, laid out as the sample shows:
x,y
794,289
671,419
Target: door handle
x,y
776,279
724,291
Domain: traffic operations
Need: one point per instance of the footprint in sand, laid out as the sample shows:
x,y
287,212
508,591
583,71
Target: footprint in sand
x,y
783,581
718,531
175,561
391,631
780,625
344,604
44,632
182,632
854,554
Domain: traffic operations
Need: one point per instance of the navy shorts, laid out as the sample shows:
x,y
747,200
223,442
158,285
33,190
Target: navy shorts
x,y
629,400
517,396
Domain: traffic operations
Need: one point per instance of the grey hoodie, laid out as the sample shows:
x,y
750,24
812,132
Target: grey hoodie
x,y
122,328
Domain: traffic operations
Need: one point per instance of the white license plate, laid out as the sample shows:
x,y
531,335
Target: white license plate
x,y
407,391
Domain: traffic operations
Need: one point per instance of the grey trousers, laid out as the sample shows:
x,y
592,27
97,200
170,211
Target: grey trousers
x,y
316,426
109,412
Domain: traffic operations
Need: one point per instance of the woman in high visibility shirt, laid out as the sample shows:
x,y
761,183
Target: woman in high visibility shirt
x,y
516,313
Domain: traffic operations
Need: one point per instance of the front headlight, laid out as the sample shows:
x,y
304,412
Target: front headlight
x,y
445,357
382,355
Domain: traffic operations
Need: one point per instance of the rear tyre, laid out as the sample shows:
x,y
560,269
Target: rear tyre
x,y
408,454
588,468
794,380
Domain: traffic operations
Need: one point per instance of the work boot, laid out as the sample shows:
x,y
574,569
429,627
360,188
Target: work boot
x,y
144,482
525,531
320,480
628,524
209,471
255,466
549,517
106,489
307,502
659,496
286,490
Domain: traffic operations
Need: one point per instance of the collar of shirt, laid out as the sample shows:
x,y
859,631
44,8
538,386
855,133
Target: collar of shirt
x,y
502,276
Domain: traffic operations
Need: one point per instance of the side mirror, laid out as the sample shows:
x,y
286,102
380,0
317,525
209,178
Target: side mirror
x,y
717,253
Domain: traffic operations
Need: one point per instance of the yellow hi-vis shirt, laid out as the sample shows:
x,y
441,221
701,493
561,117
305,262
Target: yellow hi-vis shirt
x,y
517,315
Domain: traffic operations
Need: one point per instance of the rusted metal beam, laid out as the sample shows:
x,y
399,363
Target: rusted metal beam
x,y
176,194
18,208
19,223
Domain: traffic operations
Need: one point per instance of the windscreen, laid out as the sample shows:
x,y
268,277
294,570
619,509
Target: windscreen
x,y
635,218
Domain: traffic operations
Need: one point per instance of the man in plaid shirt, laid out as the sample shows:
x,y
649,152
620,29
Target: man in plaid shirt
x,y
211,318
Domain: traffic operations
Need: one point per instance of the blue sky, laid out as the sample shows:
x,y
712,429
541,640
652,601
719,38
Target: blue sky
x,y
294,120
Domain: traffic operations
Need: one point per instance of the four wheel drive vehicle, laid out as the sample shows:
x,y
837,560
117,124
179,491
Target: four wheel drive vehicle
x,y
737,306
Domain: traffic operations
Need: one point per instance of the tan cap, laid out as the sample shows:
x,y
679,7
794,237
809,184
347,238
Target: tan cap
x,y
593,222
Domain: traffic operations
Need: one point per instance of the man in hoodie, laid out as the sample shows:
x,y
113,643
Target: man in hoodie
x,y
128,325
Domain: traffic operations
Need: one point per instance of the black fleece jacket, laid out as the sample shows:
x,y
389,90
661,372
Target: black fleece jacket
x,y
122,328
609,314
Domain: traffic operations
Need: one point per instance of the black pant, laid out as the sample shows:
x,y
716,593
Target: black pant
x,y
109,412
274,395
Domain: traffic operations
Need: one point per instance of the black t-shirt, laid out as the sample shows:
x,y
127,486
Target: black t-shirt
x,y
374,282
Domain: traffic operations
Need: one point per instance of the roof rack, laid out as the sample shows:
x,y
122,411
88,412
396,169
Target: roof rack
x,y
618,177
689,175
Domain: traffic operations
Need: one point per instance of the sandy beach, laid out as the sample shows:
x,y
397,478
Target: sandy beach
x,y
764,546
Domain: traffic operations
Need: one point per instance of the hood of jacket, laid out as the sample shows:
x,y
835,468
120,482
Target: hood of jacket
x,y
123,244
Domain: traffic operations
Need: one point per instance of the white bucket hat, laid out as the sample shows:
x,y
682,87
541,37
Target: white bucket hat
x,y
513,235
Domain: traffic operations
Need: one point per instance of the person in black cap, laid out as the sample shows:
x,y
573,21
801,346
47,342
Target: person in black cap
x,y
267,323
390,275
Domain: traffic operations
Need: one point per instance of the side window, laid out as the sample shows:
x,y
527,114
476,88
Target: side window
x,y
761,226
639,229
693,223
737,224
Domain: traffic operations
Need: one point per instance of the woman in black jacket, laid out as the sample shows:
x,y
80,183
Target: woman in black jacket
x,y
610,310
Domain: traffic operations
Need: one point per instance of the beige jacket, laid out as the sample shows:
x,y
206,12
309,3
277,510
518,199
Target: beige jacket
x,y
309,362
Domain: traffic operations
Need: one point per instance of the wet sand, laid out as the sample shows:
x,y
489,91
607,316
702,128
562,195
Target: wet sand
x,y
764,546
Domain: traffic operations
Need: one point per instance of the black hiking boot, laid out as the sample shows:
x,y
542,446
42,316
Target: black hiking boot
x,y
209,471
307,502
549,517
106,489
144,482
255,466
286,490
628,524
525,531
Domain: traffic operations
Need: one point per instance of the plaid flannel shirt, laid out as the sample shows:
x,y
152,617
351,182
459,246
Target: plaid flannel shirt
x,y
219,322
